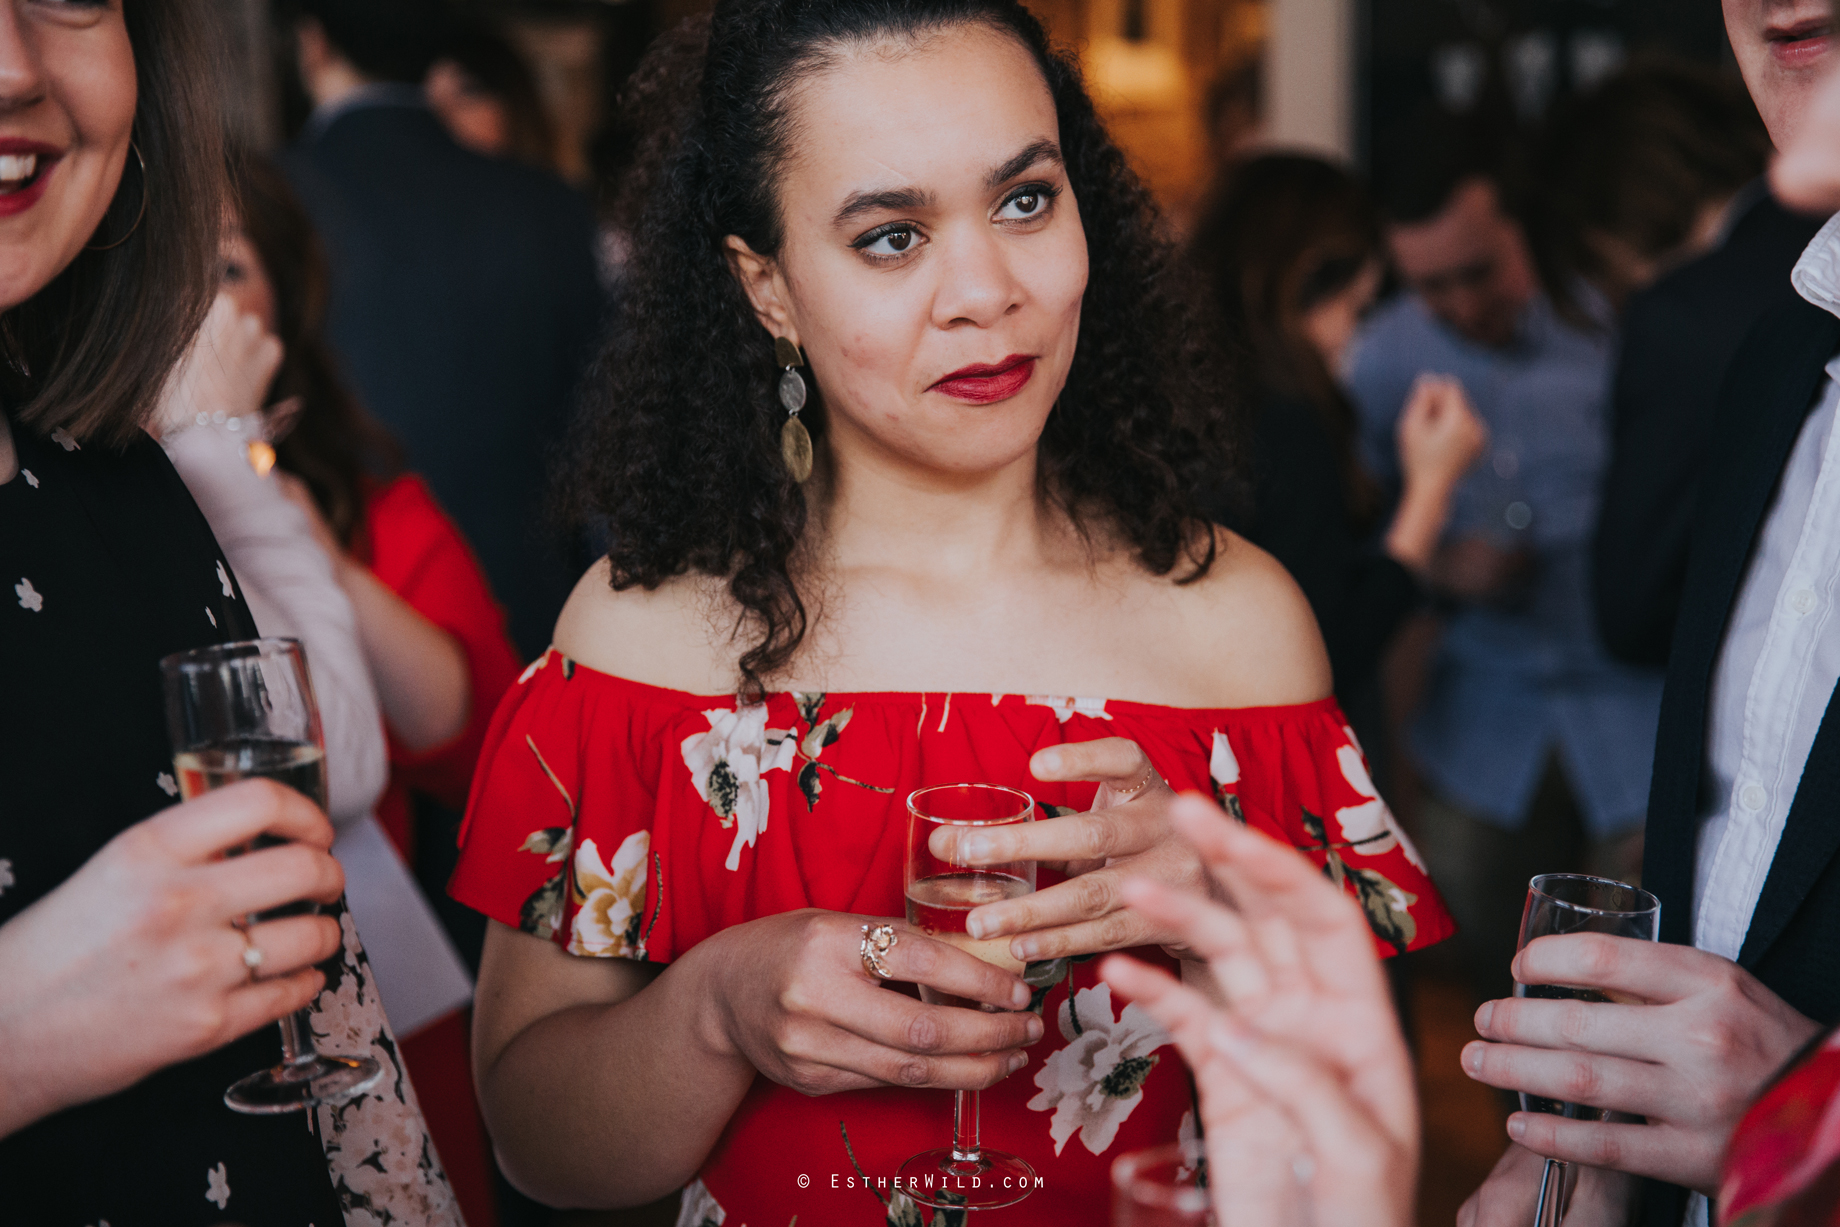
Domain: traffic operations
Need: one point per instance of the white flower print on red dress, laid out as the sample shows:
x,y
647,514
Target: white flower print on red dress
x,y
610,899
1092,1084
727,765
1370,825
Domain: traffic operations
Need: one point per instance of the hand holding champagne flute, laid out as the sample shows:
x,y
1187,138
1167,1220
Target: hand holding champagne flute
x,y
940,895
241,711
1574,903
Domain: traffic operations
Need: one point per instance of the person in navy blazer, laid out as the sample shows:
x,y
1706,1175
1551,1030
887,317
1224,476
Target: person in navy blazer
x,y
1744,807
465,301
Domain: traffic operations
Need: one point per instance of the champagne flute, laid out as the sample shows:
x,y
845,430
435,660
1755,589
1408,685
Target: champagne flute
x,y
236,711
1575,903
940,894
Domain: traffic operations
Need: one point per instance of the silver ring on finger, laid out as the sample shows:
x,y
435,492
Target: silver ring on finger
x,y
252,954
877,941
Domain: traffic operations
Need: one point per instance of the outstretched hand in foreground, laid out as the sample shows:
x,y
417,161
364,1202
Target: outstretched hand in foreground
x,y
1307,1099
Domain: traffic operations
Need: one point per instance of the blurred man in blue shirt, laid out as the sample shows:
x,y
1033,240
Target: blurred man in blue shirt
x,y
1534,745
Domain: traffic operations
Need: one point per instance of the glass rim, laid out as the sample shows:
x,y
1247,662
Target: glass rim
x,y
1533,885
1024,815
1129,1180
213,654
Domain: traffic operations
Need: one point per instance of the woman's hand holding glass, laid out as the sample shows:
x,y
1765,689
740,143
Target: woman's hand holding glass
x,y
147,931
1306,1091
1127,832
791,996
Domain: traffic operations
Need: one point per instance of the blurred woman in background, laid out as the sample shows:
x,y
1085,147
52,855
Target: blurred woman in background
x,y
380,584
1290,248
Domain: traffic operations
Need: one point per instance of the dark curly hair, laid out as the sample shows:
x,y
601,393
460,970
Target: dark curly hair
x,y
678,444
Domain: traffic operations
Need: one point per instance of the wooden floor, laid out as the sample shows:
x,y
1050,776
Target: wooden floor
x,y
1462,1119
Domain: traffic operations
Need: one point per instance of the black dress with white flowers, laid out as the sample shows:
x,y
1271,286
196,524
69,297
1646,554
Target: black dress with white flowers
x,y
106,565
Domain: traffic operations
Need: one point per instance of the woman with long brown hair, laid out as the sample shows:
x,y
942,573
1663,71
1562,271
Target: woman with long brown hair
x,y
1290,247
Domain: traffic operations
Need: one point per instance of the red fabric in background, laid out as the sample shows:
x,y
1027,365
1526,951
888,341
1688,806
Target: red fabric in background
x,y
418,553
409,543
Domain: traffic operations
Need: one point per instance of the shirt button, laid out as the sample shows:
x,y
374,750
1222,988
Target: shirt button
x,y
1802,600
1753,797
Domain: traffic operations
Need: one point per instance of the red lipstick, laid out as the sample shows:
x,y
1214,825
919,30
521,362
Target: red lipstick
x,y
985,384
19,199
1800,45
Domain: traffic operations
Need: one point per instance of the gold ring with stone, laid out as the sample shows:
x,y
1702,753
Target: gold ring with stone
x,y
878,940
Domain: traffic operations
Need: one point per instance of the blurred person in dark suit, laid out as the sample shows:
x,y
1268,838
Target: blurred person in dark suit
x,y
465,301
1658,198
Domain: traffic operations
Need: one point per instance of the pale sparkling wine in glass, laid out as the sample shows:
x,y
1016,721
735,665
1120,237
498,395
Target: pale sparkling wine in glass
x,y
940,895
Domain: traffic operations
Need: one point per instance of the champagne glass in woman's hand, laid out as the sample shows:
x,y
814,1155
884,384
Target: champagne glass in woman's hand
x,y
940,895
237,711
1573,903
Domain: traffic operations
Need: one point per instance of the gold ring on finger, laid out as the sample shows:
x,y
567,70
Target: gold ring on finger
x,y
877,941
1136,788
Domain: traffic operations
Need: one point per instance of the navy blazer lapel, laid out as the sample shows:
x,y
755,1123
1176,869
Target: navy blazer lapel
x,y
1767,396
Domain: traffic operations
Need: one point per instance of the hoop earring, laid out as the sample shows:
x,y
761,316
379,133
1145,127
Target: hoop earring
x,y
794,439
138,216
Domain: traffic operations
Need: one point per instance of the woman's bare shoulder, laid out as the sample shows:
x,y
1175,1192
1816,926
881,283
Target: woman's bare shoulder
x,y
1247,632
675,635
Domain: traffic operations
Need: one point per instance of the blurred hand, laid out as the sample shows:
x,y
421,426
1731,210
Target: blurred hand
x,y
1127,831
789,994
1307,1098
1476,569
228,369
1439,435
135,963
1687,1041
1510,1195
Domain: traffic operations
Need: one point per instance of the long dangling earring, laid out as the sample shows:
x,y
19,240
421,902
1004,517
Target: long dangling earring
x,y
136,149
794,439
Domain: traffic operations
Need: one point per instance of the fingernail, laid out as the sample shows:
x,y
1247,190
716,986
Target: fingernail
x,y
1472,1059
1048,760
1517,1127
975,927
1019,996
1025,948
974,848
1486,1012
1034,1026
1016,1062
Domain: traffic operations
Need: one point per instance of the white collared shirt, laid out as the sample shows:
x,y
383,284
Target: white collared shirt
x,y
1778,664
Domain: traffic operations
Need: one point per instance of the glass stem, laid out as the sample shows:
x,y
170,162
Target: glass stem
x,y
297,1039
965,1127
1550,1211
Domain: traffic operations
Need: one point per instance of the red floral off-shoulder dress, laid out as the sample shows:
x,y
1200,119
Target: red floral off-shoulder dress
x,y
622,820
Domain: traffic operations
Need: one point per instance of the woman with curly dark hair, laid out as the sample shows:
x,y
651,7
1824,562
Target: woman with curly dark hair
x,y
893,445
